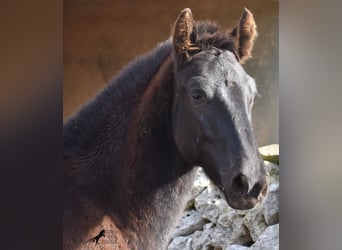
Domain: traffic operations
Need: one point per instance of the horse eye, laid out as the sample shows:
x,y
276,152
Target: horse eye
x,y
197,96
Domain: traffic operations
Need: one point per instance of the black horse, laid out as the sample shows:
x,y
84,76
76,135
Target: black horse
x,y
130,153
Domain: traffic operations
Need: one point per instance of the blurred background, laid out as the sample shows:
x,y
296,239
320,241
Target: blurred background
x,y
101,36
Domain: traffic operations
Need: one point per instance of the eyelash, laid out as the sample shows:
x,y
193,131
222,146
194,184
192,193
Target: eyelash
x,y
198,96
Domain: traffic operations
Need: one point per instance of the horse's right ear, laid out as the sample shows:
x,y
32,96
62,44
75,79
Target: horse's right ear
x,y
184,33
244,35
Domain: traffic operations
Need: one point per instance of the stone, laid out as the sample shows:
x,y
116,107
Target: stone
x,y
270,153
269,239
179,243
236,247
271,205
189,223
201,182
227,219
212,237
272,149
233,220
255,221
209,223
211,203
273,170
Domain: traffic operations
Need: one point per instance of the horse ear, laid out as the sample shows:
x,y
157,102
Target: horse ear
x,y
244,35
184,33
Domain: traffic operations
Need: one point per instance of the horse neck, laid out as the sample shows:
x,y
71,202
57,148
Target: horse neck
x,y
150,142
93,137
159,178
132,169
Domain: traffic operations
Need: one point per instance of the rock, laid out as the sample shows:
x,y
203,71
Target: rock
x,y
180,243
201,182
255,221
209,223
269,239
189,223
213,236
272,149
236,247
273,170
227,219
270,153
201,238
271,205
233,220
211,203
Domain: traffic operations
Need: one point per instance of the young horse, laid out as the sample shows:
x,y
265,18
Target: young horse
x,y
130,153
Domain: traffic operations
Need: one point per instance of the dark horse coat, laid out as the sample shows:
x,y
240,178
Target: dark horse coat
x,y
129,154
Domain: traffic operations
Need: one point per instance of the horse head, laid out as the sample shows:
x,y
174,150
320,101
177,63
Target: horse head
x,y
212,106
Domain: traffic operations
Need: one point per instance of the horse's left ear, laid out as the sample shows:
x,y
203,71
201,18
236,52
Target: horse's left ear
x,y
244,35
184,33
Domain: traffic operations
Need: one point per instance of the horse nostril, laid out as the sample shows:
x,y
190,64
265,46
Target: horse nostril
x,y
260,189
240,184
256,190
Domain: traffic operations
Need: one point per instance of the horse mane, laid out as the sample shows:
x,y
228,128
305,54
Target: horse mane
x,y
120,91
210,34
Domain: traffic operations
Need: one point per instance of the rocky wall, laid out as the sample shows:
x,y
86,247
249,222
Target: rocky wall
x,y
209,223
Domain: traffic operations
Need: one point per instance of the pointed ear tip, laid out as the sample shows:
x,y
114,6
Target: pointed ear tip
x,y
186,11
246,12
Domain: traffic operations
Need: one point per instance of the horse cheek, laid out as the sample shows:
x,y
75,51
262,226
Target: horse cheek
x,y
186,136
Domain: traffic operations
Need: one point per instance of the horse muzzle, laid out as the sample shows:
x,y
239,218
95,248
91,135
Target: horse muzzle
x,y
240,196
